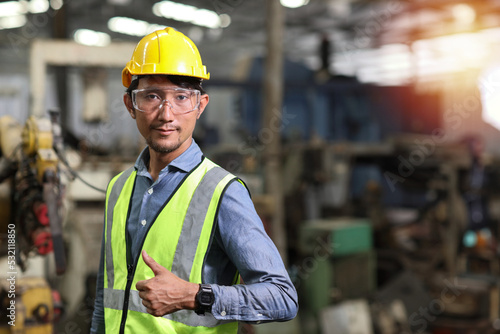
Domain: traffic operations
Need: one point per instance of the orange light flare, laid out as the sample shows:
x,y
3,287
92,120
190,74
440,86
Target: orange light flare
x,y
452,54
468,59
489,85
461,46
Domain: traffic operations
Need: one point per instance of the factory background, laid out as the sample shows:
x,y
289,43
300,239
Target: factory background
x,y
366,130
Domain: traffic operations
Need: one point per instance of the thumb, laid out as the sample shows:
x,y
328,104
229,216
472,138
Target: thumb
x,y
151,263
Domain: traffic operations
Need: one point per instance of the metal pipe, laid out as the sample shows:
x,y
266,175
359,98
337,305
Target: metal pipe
x,y
272,121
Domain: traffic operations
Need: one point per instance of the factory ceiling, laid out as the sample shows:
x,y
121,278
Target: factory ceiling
x,y
351,26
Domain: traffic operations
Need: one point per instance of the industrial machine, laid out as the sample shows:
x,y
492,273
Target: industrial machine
x,y
31,224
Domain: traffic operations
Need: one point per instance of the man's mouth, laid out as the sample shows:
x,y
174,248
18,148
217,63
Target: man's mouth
x,y
165,131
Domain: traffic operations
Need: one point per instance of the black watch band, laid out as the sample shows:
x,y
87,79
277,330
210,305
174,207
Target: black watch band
x,y
204,299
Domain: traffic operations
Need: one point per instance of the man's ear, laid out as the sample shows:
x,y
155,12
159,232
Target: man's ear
x,y
127,100
203,104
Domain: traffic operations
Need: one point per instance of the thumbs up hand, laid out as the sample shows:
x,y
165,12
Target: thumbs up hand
x,y
165,293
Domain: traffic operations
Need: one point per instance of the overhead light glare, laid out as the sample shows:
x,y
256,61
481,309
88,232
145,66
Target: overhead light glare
x,y
15,8
56,4
294,3
185,13
12,8
38,6
11,22
207,18
132,27
225,20
91,37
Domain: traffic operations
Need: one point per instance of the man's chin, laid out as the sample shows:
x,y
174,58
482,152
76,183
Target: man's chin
x,y
162,148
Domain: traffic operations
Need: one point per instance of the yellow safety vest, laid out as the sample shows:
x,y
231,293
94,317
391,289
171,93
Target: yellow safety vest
x,y
178,240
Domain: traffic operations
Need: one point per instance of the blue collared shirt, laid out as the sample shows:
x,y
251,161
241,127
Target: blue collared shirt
x,y
240,242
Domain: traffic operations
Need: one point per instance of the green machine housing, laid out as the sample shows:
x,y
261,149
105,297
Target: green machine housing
x,y
338,261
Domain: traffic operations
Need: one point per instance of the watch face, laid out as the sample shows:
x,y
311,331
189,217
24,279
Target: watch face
x,y
206,298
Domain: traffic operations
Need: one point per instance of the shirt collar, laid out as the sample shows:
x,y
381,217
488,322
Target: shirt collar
x,y
189,159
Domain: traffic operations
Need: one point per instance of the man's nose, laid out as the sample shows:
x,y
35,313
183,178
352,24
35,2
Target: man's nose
x,y
165,113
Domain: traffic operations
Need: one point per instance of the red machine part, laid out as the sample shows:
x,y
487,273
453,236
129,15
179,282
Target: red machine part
x,y
58,305
42,240
41,213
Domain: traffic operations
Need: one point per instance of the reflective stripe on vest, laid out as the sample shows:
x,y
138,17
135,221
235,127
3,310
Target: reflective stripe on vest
x,y
178,239
112,196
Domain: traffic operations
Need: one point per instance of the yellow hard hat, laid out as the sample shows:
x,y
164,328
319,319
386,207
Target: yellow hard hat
x,y
165,51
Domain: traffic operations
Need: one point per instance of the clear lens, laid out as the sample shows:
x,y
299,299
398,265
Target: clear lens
x,y
180,100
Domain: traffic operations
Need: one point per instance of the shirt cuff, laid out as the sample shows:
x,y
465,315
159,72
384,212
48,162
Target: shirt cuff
x,y
223,307
227,306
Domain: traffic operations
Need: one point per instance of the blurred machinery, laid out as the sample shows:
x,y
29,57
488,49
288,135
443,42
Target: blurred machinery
x,y
30,208
415,208
377,169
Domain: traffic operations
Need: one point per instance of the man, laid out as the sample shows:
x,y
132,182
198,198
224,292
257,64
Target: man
x,y
179,230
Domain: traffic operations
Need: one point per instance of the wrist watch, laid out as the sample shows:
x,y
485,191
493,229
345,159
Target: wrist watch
x,y
204,299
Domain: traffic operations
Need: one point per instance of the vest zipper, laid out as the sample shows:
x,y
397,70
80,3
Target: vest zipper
x,y
130,276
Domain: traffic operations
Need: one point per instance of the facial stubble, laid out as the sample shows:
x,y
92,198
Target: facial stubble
x,y
162,148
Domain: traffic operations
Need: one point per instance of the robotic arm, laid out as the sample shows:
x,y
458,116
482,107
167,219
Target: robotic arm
x,y
29,158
